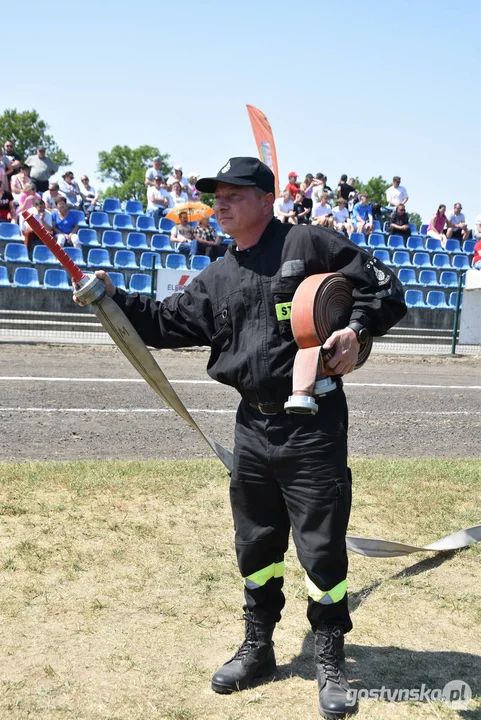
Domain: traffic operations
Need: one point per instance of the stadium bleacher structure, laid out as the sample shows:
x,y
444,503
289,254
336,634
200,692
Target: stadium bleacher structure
x,y
10,231
4,281
26,277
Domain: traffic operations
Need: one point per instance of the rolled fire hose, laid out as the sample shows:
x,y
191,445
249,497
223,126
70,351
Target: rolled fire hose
x,y
118,326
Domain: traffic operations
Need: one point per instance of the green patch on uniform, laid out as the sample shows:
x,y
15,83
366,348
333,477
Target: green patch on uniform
x,y
283,311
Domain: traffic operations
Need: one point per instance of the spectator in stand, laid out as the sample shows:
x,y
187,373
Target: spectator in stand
x,y
322,213
27,197
308,185
182,236
3,170
41,169
327,188
12,161
477,255
292,184
71,190
342,221
192,191
177,177
362,215
399,222
19,181
154,171
159,201
396,194
7,206
318,189
178,195
284,208
50,197
43,216
344,189
89,196
477,228
457,224
208,241
437,224
64,224
302,208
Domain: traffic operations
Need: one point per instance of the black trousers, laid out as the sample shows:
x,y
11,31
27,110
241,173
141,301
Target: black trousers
x,y
41,185
291,471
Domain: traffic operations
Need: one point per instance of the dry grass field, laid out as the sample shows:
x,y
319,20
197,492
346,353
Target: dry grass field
x,y
120,595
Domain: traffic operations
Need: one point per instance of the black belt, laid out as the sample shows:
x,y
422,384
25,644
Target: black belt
x,y
274,408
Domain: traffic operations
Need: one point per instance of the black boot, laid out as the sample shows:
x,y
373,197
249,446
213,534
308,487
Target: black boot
x,y
255,658
334,697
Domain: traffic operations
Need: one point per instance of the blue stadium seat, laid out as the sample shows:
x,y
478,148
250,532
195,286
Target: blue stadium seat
x,y
359,239
385,227
122,221
441,260
166,225
413,228
452,300
448,279
460,262
146,260
56,280
99,258
137,241
415,242
199,262
396,242
376,240
453,246
134,207
26,277
125,259
79,216
118,280
140,283
111,205
9,231
88,237
401,258
376,226
422,260
161,243
146,223
112,239
414,298
424,229
407,276
175,262
16,253
4,281
220,258
468,247
99,220
43,256
428,277
433,245
436,300
76,255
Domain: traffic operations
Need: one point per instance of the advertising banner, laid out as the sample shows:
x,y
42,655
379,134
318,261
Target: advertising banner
x,y
172,281
264,140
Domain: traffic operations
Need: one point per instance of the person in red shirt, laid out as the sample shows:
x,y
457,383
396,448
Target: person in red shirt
x,y
293,186
477,256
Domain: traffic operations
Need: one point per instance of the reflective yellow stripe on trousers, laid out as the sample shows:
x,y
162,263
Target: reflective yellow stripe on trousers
x,y
259,578
326,597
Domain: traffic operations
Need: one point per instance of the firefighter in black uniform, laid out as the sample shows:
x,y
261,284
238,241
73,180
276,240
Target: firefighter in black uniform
x,y
290,470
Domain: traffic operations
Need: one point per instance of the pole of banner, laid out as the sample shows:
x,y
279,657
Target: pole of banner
x,y
152,276
456,314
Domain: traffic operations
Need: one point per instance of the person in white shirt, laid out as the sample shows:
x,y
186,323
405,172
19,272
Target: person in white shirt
x,y
177,176
152,172
159,200
178,195
284,208
44,217
192,191
50,196
457,224
477,228
342,221
322,213
89,196
396,194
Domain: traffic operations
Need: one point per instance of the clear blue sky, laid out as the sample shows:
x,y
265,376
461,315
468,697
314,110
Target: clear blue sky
x,y
362,88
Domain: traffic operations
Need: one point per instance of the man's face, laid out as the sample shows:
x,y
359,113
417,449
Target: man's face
x,y
157,182
363,200
293,179
157,164
41,153
53,190
240,209
9,148
183,218
287,196
396,182
323,200
176,187
457,209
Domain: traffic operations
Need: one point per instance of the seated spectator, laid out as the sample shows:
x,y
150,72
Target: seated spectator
x,y
177,176
178,195
89,196
27,197
18,182
322,213
342,221
399,222
41,169
208,241
362,215
65,227
477,255
396,194
437,224
457,224
50,196
154,171
477,228
344,189
3,170
12,162
71,191
7,206
302,208
192,191
182,236
159,201
284,208
43,216
292,184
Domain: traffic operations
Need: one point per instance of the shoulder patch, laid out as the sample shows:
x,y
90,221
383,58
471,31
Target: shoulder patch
x,y
292,268
377,273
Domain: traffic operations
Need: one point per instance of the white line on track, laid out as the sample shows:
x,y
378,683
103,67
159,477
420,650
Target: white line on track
x,y
213,382
125,411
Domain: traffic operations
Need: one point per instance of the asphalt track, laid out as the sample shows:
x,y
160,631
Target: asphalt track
x,y
67,403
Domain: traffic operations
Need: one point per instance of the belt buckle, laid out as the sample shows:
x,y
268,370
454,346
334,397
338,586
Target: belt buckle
x,y
264,408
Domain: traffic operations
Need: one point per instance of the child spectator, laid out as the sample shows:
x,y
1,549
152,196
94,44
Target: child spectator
x,y
362,215
302,208
342,221
284,208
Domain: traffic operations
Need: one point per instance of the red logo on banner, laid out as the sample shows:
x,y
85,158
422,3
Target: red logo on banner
x,y
183,280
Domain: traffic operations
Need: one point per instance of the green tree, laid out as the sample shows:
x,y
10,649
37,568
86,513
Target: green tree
x,y
414,218
28,132
125,167
375,188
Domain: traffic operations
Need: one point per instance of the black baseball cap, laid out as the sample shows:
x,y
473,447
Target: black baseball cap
x,y
246,171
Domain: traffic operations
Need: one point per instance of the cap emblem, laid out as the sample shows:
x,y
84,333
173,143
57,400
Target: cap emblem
x,y
226,167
